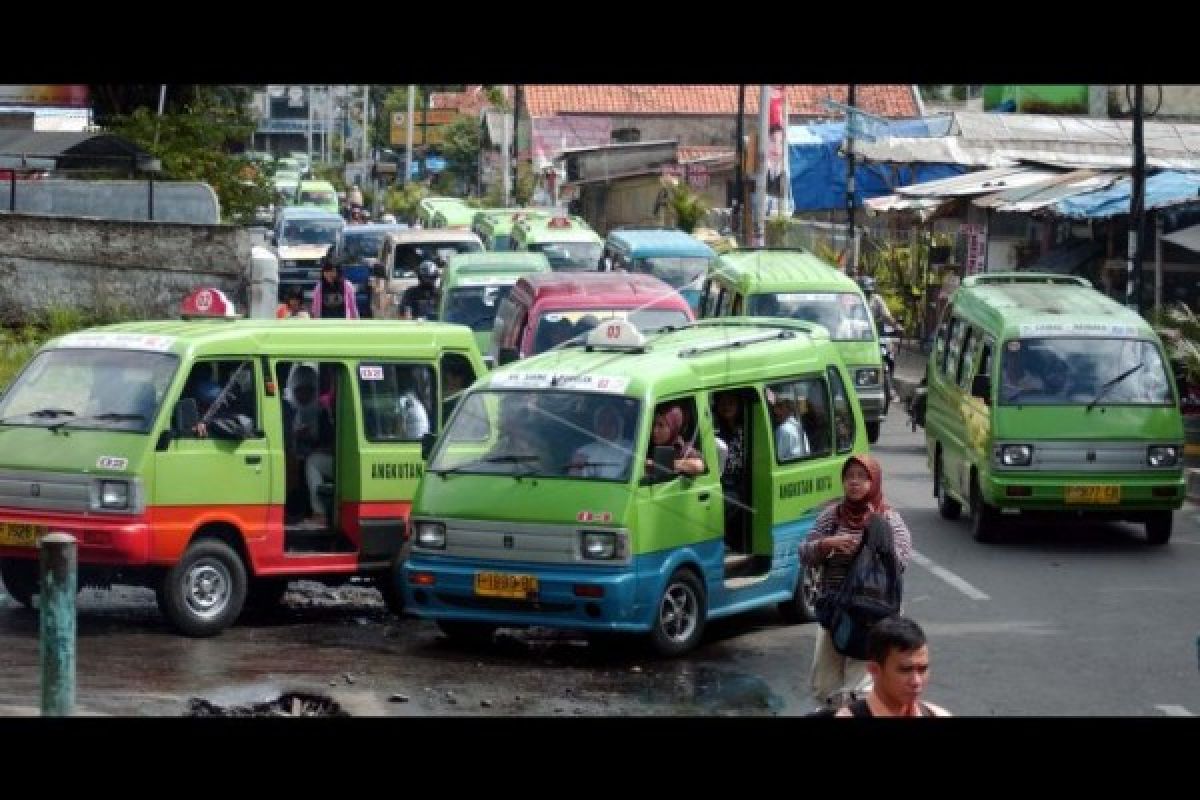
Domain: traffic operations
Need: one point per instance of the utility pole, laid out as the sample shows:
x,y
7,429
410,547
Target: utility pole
x,y
760,183
366,147
408,140
851,245
736,209
1137,199
516,135
506,165
309,97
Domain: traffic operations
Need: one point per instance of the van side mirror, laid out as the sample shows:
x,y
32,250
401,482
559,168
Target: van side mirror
x,y
506,355
187,415
427,443
663,465
981,388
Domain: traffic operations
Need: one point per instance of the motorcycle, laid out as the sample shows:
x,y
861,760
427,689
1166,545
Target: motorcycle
x,y
889,340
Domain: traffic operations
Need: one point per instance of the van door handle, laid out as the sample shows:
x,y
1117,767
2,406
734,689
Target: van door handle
x,y
702,496
253,459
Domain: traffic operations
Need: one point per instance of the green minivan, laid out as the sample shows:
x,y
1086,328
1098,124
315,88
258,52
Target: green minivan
x,y
474,285
1045,396
796,284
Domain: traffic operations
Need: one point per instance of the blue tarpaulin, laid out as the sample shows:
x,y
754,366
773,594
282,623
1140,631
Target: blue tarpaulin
x,y
818,172
1169,188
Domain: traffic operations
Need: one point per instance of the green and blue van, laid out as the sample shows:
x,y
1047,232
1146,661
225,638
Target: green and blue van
x,y
475,284
669,254
1047,397
796,284
545,503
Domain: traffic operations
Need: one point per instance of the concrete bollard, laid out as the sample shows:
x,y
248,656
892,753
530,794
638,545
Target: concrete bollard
x,y
56,602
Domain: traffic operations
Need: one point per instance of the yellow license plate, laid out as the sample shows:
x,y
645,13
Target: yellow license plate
x,y
1093,494
14,534
501,584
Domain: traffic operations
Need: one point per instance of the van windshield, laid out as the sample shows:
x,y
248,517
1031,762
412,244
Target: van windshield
x,y
409,256
475,306
311,231
675,272
556,327
118,390
357,246
1078,371
844,314
570,255
540,433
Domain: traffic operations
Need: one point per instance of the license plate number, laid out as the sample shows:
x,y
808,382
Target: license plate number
x,y
18,535
1094,494
502,584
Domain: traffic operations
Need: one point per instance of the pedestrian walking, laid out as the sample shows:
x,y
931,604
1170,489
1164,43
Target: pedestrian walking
x,y
334,296
898,662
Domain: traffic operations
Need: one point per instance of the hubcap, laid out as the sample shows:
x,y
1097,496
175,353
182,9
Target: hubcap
x,y
207,588
678,613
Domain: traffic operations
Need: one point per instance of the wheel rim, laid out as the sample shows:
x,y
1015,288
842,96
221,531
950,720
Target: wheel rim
x,y
678,613
207,586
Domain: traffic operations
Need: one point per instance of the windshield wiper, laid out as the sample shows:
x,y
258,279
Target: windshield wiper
x,y
1104,389
106,417
566,468
505,459
41,413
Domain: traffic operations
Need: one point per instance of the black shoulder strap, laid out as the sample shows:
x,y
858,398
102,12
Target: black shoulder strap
x,y
860,708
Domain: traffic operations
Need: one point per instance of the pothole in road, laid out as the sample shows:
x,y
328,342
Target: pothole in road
x,y
289,704
712,691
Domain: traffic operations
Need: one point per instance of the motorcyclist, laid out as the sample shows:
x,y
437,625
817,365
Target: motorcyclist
x,y
421,301
875,303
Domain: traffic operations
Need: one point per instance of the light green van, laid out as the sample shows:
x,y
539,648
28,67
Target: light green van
x,y
539,507
428,208
1047,396
178,454
796,284
569,244
474,285
494,225
317,194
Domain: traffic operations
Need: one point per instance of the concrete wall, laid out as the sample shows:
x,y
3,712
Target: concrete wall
x,y
181,201
140,269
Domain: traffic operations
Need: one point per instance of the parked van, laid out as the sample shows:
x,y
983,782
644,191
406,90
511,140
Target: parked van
x,y
317,194
539,506
403,252
669,254
1047,396
176,452
797,284
567,241
475,284
544,310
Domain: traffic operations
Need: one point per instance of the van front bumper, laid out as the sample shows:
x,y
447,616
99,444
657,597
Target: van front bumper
x,y
117,541
1040,492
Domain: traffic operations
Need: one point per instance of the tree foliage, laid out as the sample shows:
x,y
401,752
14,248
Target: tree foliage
x,y
688,207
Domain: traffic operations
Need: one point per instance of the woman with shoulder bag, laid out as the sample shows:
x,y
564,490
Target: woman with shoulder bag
x,y
832,545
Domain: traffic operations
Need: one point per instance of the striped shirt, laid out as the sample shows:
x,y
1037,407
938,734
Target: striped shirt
x,y
834,568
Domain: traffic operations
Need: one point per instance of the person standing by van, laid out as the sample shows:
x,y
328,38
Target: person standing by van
x,y
832,545
333,296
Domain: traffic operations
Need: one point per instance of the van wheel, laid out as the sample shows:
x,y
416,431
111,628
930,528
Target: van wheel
x,y
467,631
948,507
204,593
1158,527
985,520
873,431
679,618
802,607
20,576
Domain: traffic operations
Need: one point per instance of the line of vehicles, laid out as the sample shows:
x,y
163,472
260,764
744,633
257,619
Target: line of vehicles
x,y
504,466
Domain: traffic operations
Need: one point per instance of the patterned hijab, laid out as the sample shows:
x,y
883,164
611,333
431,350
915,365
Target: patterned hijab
x,y
854,515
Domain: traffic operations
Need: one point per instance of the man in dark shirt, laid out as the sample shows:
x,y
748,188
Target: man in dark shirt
x,y
421,301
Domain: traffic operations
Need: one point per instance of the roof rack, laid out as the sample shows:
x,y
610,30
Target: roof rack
x,y
734,343
1001,278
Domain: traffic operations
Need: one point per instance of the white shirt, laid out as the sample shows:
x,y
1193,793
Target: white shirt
x,y
790,441
602,459
414,419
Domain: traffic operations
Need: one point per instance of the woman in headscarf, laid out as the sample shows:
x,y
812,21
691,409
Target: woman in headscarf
x,y
312,436
832,545
668,431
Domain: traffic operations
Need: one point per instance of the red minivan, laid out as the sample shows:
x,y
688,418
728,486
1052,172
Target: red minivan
x,y
546,309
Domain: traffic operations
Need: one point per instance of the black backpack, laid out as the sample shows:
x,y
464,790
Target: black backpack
x,y
871,591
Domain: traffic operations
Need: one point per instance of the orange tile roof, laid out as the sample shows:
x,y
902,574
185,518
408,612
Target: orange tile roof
x,y
886,100
471,101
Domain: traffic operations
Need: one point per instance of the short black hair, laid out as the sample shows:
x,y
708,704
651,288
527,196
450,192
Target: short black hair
x,y
893,633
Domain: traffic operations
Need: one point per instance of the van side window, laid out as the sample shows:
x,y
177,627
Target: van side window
x,y
843,413
724,301
953,345
985,357
711,293
738,305
964,358
691,428
800,419
939,343
457,376
221,390
397,401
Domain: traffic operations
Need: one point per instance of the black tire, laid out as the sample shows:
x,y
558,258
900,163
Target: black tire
x,y
20,576
265,594
467,631
680,615
985,519
948,507
388,584
204,593
800,608
1158,527
873,431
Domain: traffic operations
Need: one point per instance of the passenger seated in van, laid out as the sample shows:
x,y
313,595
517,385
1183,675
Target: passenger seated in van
x,y
731,430
1018,376
411,416
667,431
607,455
313,436
216,421
790,440
816,419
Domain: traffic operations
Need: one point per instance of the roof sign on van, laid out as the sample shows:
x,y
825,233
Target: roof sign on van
x,y
611,384
1077,329
558,222
119,341
207,303
617,334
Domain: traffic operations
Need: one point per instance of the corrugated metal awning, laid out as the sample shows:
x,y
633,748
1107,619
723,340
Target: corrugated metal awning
x,y
1046,192
1164,190
987,181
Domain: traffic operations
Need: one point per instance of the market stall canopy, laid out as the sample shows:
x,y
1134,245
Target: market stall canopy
x,y
1033,197
1164,190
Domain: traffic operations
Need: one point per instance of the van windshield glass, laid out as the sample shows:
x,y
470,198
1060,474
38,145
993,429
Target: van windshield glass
x,y
540,433
475,306
556,327
844,314
119,390
357,246
1075,371
410,256
311,231
675,272
570,255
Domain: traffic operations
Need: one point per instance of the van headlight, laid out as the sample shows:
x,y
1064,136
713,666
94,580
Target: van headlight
x,y
431,535
1162,456
1016,455
114,494
600,545
866,377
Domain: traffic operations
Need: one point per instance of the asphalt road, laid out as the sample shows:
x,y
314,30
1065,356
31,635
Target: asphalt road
x,y
1066,620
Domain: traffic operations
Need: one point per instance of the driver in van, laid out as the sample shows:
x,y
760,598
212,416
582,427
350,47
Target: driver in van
x,y
1019,376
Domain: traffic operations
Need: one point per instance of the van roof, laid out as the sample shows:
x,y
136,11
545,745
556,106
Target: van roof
x,y
317,184
779,271
309,212
434,235
298,338
1004,302
650,242
705,355
593,284
493,263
